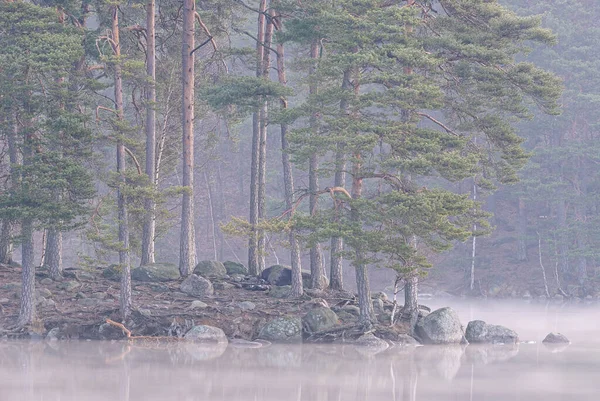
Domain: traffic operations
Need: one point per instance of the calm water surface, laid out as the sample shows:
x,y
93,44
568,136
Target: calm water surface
x,y
120,372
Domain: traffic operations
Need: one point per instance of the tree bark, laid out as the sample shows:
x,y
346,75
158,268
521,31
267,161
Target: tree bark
x,y
125,294
187,250
53,253
149,228
288,177
410,312
337,243
362,279
317,269
262,157
6,245
27,309
253,251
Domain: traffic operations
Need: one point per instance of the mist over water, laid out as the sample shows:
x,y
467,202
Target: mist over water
x,y
122,372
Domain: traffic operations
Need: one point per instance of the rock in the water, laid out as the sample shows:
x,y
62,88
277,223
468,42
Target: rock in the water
x,y
372,343
156,272
280,292
198,305
204,333
440,327
235,268
53,334
247,305
556,338
319,319
112,272
210,269
285,329
479,331
196,286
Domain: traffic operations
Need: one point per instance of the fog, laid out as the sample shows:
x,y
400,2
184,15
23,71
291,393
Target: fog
x,y
123,372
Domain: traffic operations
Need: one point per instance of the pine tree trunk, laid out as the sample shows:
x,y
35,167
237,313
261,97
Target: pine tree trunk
x,y
253,251
187,250
262,157
362,279
410,312
27,309
317,269
149,228
288,178
522,235
563,248
337,243
53,253
125,295
6,245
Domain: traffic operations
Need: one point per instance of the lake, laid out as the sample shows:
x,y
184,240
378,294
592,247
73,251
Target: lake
x,y
86,371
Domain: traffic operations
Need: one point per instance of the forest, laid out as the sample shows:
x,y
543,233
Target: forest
x,y
446,141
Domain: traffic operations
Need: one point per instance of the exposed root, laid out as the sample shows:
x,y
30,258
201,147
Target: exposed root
x,y
148,339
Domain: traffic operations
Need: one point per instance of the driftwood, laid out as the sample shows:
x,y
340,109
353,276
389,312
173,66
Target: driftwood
x,y
147,339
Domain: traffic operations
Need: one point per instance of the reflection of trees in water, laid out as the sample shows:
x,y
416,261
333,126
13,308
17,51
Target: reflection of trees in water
x,y
125,372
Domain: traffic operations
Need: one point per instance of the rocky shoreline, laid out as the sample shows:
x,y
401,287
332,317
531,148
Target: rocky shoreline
x,y
220,302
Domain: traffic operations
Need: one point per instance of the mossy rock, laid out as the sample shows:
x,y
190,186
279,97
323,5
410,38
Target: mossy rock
x,y
156,272
235,268
210,269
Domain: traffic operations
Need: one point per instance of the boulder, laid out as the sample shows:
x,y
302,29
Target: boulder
x,y
112,273
235,268
210,269
285,329
479,331
319,319
53,335
371,344
156,272
204,333
196,286
282,275
69,286
556,338
440,327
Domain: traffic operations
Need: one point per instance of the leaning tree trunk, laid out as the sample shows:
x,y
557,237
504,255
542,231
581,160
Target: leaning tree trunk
x,y
337,243
123,219
149,228
253,251
53,253
27,309
288,178
187,249
317,269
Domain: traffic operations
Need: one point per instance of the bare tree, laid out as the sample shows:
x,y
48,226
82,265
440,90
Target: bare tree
x,y
149,229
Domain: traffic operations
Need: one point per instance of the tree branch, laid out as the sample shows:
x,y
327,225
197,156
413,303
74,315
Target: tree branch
x,y
135,160
212,41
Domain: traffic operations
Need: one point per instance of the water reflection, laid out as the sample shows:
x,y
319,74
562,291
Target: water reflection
x,y
118,371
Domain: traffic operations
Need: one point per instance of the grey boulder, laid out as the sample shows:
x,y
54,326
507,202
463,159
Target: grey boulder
x,y
285,329
210,269
235,268
319,319
196,286
556,338
204,333
479,331
440,327
156,272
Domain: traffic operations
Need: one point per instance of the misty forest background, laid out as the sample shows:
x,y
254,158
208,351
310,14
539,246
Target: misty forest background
x,y
423,100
